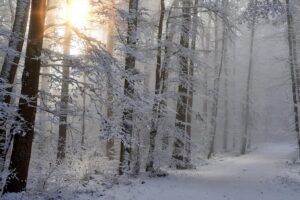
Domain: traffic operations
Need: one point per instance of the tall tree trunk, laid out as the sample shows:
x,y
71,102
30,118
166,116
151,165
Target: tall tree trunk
x,y
63,118
156,107
233,81
168,51
82,142
42,137
234,96
10,65
125,150
182,102
15,45
110,151
294,69
189,111
246,137
136,153
206,47
225,67
22,143
216,84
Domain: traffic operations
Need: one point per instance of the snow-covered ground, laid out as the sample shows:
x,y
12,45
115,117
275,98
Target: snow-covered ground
x,y
267,173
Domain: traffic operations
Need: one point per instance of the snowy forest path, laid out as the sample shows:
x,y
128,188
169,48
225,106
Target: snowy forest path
x,y
264,174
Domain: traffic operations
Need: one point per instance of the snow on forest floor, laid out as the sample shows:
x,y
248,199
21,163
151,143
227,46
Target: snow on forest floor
x,y
265,174
268,173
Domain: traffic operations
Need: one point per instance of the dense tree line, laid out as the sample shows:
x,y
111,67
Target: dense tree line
x,y
128,79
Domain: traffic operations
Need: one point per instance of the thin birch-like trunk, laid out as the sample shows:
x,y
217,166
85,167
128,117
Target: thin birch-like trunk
x,y
189,111
156,107
216,85
63,115
246,137
225,67
206,88
110,151
168,51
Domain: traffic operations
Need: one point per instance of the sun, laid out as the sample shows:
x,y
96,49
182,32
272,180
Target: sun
x,y
79,13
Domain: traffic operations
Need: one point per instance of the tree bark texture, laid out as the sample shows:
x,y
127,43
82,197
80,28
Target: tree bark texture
x,y
125,150
22,143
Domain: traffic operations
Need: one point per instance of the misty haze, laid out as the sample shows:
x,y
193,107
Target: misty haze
x,y
149,99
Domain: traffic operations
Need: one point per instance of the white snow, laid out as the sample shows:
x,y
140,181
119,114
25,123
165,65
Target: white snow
x,y
261,175
267,173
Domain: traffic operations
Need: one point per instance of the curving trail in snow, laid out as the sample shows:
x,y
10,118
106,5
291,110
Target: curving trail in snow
x,y
264,174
